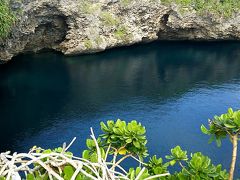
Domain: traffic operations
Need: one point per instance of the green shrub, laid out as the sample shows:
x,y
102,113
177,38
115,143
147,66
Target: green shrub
x,y
108,19
225,125
156,166
121,140
7,19
129,140
125,137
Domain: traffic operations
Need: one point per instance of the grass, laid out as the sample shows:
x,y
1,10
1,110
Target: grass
x,y
7,19
121,33
88,44
221,8
88,7
108,19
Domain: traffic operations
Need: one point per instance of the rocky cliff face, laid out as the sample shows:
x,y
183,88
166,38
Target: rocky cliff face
x,y
87,26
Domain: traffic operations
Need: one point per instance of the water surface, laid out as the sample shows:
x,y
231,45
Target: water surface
x,y
170,87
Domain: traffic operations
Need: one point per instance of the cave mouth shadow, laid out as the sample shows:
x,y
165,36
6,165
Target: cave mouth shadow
x,y
49,34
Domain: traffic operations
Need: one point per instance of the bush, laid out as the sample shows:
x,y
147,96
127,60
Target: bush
x,y
220,127
121,140
7,19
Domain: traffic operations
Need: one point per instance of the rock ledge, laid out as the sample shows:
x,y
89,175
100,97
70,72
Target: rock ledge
x,y
79,26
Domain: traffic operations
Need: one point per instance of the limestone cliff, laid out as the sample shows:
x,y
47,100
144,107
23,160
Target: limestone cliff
x,y
87,26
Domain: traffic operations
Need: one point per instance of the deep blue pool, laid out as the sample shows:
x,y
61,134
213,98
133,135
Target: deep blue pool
x,y
170,87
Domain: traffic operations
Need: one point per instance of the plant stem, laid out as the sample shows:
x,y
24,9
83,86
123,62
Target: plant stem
x,y
234,156
123,158
183,167
114,160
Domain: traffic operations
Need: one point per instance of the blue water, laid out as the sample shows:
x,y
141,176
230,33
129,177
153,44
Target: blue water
x,y
170,87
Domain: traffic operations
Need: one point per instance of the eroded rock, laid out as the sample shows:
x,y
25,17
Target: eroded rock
x,y
80,26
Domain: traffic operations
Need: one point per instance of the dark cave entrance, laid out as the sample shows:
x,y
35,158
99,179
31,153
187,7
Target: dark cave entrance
x,y
50,32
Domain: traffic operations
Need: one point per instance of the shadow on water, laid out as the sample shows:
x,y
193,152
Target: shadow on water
x,y
28,94
171,87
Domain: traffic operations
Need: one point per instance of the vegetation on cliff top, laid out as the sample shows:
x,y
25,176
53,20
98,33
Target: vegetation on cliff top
x,y
221,8
119,141
7,18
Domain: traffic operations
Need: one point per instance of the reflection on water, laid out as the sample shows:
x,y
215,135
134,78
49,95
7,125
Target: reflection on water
x,y
172,88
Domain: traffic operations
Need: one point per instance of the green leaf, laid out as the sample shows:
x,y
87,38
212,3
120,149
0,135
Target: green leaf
x,y
68,172
204,129
136,144
172,162
90,143
103,126
169,157
237,120
178,154
47,151
128,141
85,154
230,111
30,177
94,157
132,172
219,142
229,125
59,149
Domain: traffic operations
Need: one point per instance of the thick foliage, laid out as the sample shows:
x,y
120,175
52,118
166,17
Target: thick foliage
x,y
223,125
128,140
227,124
198,167
125,137
121,140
